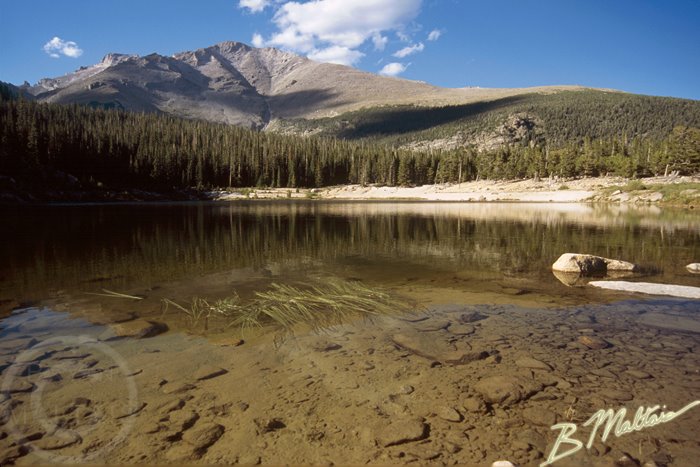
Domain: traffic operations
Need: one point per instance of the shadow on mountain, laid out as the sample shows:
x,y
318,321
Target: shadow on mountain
x,y
407,119
295,104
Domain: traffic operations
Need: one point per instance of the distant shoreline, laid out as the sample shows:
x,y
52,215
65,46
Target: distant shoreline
x,y
681,191
672,191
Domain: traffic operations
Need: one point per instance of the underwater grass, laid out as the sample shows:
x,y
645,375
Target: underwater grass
x,y
112,294
286,306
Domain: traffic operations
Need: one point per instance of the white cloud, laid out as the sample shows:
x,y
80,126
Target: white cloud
x,y
434,35
334,30
403,37
379,41
336,54
258,40
57,47
393,69
410,50
255,6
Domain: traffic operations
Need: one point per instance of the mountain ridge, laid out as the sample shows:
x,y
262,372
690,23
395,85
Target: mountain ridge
x,y
231,82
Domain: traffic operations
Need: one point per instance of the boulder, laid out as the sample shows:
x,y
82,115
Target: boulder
x,y
693,268
589,265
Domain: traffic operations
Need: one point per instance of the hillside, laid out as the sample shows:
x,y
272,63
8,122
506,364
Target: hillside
x,y
70,152
553,119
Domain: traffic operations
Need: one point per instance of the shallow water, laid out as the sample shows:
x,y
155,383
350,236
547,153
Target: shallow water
x,y
392,389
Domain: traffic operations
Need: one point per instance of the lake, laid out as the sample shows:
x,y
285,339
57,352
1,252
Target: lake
x,y
470,247
476,306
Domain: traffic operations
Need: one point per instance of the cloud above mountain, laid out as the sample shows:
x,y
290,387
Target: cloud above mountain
x,y
410,50
255,6
393,69
334,30
57,47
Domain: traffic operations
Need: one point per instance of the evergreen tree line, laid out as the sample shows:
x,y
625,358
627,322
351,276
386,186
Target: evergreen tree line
x,y
118,149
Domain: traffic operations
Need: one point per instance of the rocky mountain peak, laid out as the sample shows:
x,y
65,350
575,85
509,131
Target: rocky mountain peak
x,y
114,59
232,82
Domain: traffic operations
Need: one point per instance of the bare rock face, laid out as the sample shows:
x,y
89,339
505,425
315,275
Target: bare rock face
x,y
234,83
589,265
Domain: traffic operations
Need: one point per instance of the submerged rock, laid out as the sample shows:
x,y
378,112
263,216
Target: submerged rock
x,y
449,414
532,363
403,431
203,436
266,425
588,265
594,342
672,322
209,372
471,317
437,349
506,390
138,328
683,291
570,279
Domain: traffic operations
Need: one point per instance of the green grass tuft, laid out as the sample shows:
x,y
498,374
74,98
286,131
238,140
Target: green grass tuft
x,y
286,306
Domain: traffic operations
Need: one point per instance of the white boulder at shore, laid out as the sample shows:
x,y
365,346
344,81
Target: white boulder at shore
x,y
589,264
694,268
682,291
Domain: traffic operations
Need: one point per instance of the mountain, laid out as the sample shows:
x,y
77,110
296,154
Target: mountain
x,y
233,83
278,91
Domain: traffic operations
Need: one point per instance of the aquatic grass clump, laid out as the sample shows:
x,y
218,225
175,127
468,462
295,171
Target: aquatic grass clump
x,y
318,306
286,306
112,294
200,309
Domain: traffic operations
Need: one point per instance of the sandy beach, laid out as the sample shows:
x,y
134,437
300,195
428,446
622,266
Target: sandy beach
x,y
529,191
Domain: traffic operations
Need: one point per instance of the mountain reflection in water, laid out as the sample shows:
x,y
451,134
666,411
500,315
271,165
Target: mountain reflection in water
x,y
82,248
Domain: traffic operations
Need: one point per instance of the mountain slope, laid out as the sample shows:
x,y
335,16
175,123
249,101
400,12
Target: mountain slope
x,y
552,119
233,83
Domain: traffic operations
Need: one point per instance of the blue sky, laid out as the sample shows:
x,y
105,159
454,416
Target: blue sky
x,y
642,46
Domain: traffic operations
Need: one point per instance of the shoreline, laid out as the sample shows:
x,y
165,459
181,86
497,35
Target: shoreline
x,y
672,191
684,191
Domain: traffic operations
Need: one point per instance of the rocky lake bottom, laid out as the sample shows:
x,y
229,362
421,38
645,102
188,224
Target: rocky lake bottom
x,y
451,384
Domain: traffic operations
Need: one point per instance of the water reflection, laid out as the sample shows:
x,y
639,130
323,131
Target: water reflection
x,y
84,248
